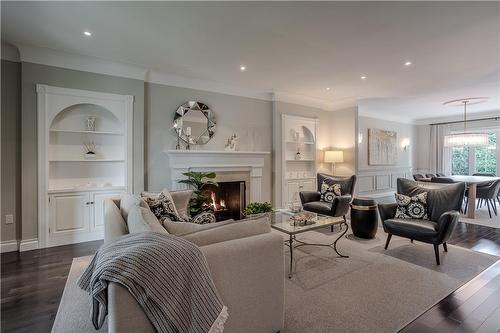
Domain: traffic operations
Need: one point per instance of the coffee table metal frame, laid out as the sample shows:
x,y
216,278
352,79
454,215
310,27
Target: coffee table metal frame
x,y
341,221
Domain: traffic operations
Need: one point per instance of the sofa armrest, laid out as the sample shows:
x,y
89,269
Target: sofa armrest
x,y
309,196
446,224
387,211
340,205
249,274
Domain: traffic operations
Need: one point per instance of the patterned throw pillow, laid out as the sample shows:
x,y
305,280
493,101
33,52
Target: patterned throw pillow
x,y
329,192
204,218
411,207
162,205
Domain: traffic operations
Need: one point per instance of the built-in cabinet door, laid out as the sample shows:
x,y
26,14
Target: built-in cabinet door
x,y
97,208
68,216
308,185
292,191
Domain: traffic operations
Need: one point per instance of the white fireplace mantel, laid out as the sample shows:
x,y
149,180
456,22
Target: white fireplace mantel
x,y
181,161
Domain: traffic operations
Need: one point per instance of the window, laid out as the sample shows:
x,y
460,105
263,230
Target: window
x,y
469,160
486,156
459,161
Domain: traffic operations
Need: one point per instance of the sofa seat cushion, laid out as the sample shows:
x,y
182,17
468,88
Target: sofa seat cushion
x,y
141,219
411,228
320,207
183,228
230,231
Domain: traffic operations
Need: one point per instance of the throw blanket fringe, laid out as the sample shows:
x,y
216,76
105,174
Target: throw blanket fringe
x,y
168,277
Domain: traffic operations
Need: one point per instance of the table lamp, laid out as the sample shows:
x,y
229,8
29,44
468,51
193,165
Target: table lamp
x,y
334,156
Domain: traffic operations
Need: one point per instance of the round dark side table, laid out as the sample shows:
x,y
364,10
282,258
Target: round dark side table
x,y
364,218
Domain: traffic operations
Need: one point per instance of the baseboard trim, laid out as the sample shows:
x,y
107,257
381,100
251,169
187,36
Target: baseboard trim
x,y
9,246
28,245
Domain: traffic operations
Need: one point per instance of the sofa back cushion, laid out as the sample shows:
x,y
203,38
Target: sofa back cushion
x,y
142,219
346,183
439,200
230,231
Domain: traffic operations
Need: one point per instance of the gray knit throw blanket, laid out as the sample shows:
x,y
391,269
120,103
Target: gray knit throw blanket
x,y
167,275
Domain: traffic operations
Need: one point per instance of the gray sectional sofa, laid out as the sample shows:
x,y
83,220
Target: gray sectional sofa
x,y
245,259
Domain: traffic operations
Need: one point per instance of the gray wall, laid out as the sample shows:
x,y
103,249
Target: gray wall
x,y
405,131
250,119
60,77
11,149
337,130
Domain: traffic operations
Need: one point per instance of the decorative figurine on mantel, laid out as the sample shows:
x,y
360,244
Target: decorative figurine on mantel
x,y
232,143
90,124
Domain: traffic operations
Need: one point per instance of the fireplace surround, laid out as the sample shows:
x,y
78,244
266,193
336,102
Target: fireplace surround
x,y
228,165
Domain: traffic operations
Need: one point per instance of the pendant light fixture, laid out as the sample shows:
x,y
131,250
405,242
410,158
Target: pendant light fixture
x,y
465,138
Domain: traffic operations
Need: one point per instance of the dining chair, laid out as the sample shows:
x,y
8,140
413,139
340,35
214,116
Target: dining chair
x,y
430,175
488,194
439,174
418,176
444,180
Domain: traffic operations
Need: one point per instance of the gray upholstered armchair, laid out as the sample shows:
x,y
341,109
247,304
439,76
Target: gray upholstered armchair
x,y
443,205
311,200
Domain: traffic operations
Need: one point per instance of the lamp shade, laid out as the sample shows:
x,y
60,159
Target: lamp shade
x,y
334,156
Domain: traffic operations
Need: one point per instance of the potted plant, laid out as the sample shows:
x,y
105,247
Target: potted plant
x,y
200,202
258,208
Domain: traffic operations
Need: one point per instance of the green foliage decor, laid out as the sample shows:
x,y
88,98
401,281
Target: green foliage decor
x,y
258,208
200,201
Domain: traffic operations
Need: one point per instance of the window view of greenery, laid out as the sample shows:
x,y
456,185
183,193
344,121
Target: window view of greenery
x,y
486,156
459,161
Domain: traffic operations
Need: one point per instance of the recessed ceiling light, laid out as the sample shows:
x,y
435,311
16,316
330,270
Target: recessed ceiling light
x,y
363,77
87,33
328,88
243,68
408,63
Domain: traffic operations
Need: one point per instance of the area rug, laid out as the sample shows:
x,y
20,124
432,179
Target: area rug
x,y
373,290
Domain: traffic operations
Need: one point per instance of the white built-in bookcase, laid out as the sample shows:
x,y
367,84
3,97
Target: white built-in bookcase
x,y
299,134
72,188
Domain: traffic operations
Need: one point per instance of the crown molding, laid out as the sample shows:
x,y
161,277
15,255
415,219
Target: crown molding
x,y
318,103
45,56
459,117
55,58
206,85
382,116
10,52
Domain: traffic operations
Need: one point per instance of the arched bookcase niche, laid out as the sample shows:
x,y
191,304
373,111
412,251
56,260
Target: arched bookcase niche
x,y
73,184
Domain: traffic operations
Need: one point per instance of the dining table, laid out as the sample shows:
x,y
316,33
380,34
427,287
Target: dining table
x,y
472,182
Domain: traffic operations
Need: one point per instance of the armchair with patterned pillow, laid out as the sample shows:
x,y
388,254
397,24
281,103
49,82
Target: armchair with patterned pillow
x,y
423,214
333,196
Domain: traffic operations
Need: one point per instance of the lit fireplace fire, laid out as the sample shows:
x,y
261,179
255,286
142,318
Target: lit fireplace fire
x,y
217,206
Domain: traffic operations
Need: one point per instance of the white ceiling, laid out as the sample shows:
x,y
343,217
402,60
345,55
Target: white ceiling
x,y
294,48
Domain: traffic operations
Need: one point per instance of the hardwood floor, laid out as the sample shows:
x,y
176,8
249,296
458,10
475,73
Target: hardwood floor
x,y
474,307
32,284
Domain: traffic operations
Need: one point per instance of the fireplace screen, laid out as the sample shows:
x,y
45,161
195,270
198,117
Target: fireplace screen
x,y
227,200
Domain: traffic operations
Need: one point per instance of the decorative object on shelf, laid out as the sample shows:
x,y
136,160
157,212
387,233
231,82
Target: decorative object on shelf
x,y
195,123
334,157
258,208
232,143
295,207
382,147
178,134
471,139
200,201
90,124
302,219
90,150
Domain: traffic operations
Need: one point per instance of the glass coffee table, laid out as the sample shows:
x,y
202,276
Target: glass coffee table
x,y
282,221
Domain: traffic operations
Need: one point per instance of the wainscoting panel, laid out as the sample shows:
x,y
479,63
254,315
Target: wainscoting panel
x,y
366,183
379,182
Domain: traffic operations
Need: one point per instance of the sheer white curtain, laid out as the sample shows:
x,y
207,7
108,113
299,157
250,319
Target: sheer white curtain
x,y
440,156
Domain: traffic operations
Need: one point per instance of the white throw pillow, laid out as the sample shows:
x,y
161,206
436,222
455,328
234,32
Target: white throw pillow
x,y
141,219
128,201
